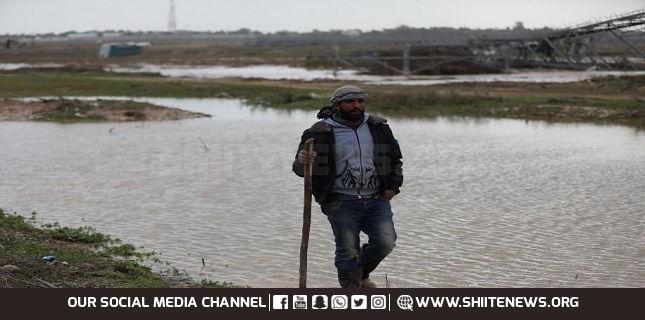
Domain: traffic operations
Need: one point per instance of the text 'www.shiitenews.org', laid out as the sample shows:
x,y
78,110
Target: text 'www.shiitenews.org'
x,y
488,302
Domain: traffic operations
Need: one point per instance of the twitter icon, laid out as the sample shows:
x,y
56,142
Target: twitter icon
x,y
359,301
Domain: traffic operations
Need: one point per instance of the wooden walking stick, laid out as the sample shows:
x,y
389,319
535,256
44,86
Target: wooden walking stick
x,y
306,223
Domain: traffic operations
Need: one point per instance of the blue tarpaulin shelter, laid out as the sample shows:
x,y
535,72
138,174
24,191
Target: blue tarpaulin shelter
x,y
119,50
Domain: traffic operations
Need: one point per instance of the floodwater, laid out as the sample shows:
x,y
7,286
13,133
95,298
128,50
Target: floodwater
x,y
485,202
277,72
281,72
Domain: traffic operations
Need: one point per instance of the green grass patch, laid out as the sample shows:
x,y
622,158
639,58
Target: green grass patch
x,y
63,257
37,83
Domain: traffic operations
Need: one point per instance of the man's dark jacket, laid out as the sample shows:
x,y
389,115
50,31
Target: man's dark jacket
x,y
387,157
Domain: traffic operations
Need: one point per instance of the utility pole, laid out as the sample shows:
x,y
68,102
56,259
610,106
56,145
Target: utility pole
x,y
172,21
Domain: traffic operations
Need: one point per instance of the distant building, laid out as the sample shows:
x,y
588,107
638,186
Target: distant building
x,y
352,32
84,35
108,50
111,34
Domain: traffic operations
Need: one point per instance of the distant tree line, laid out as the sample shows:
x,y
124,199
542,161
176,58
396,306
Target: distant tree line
x,y
439,35
435,36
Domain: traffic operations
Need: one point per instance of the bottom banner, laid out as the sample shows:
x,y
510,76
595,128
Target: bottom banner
x,y
77,303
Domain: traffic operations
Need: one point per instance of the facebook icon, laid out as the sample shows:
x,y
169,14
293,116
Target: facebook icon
x,y
280,301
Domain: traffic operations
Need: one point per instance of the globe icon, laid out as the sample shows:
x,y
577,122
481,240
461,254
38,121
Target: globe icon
x,y
405,302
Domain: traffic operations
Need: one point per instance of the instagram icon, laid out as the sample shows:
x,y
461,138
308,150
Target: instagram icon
x,y
378,302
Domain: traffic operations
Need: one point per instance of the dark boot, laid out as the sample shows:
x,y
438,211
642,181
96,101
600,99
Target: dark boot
x,y
350,278
368,266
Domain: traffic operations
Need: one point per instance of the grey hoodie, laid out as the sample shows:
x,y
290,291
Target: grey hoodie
x,y
354,151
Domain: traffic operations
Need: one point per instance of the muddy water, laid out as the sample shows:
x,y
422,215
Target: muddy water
x,y
485,203
294,73
281,72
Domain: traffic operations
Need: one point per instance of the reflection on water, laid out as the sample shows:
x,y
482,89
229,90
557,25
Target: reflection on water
x,y
16,66
273,72
295,73
280,72
485,203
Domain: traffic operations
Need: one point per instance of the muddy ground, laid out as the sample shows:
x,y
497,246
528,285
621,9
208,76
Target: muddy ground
x,y
77,110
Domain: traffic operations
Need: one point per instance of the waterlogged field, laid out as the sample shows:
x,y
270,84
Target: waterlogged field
x,y
509,183
599,100
485,203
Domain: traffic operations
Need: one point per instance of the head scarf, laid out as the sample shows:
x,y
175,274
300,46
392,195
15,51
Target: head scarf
x,y
348,93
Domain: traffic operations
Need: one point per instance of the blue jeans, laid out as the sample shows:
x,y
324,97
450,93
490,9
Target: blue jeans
x,y
348,218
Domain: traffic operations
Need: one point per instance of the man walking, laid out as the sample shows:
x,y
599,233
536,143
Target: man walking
x,y
357,170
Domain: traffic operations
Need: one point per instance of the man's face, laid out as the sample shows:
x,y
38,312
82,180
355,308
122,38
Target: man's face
x,y
352,109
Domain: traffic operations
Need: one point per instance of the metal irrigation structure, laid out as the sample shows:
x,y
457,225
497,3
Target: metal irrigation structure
x,y
616,43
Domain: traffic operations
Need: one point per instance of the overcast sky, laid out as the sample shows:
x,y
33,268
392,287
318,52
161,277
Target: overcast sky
x,y
58,16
